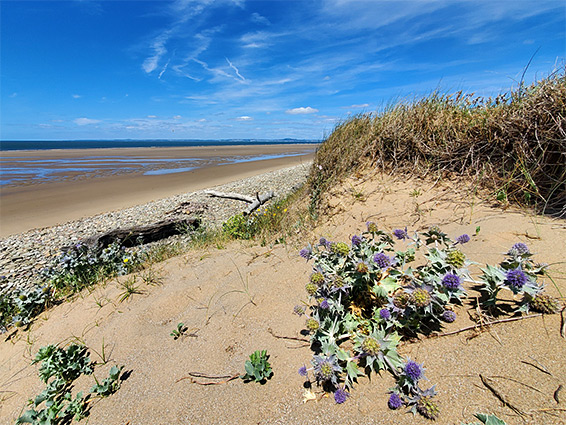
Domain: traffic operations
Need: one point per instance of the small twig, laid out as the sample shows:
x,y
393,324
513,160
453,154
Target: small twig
x,y
293,338
226,378
556,394
500,396
481,325
562,324
518,382
540,366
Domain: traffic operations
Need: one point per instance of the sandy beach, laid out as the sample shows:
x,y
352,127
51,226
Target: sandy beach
x,y
71,195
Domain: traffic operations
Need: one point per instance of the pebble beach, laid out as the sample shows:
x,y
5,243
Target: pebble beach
x,y
24,255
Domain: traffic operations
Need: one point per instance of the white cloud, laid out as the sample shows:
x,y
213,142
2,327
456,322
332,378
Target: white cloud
x,y
235,69
259,19
76,96
152,116
14,94
85,121
363,105
244,118
177,117
202,120
301,110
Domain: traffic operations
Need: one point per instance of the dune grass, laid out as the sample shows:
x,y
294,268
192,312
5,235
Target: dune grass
x,y
514,144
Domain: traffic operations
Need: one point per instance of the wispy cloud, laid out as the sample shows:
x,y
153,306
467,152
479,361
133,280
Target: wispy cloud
x,y
259,19
301,110
244,118
85,121
76,96
235,69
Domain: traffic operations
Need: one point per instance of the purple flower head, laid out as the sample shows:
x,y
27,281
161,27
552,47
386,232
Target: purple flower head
x,y
413,371
305,253
303,371
448,316
326,369
400,234
322,242
395,401
516,278
451,281
340,396
519,248
462,239
299,310
382,260
356,240
385,314
324,304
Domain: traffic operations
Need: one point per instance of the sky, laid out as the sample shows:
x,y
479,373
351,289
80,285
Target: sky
x,y
240,69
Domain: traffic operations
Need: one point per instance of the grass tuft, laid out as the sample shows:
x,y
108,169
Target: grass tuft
x,y
514,144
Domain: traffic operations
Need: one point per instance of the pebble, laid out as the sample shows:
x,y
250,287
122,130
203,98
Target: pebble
x,y
25,255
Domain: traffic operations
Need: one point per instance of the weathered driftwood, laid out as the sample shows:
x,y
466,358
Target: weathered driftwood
x,y
142,234
254,202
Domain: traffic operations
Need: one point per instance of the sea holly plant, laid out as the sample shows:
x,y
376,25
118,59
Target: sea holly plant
x,y
364,297
518,274
257,367
59,369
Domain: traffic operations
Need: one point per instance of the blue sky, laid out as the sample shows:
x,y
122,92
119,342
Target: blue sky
x,y
225,69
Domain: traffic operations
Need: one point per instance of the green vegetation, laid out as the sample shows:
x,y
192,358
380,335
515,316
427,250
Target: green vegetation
x,y
365,297
179,331
514,144
257,367
59,369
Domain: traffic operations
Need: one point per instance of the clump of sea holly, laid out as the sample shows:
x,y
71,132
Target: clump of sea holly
x,y
544,303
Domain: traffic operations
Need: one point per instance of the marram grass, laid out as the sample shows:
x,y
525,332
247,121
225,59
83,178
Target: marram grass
x,y
514,144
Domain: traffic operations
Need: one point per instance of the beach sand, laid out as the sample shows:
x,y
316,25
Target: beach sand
x,y
29,205
211,292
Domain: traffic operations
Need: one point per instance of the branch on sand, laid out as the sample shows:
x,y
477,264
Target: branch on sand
x,y
255,203
224,378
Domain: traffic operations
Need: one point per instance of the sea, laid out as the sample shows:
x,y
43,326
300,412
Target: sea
x,y
29,169
16,145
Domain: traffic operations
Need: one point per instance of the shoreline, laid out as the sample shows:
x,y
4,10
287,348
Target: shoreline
x,y
24,207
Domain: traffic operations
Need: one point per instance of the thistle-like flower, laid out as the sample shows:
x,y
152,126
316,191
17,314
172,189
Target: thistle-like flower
x,y
543,303
456,258
326,369
303,371
428,408
312,325
371,346
383,261
362,267
400,234
516,278
356,240
451,281
448,316
401,300
413,371
306,253
317,278
340,248
372,227
462,239
299,310
421,297
324,304
385,314
311,288
341,395
395,402
519,249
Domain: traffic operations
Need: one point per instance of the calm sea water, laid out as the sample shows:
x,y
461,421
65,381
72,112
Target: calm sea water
x,y
28,168
11,145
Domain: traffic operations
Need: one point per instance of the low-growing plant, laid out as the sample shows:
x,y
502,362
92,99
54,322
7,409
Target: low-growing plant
x,y
364,297
81,266
487,420
179,331
257,367
18,307
109,385
59,369
130,288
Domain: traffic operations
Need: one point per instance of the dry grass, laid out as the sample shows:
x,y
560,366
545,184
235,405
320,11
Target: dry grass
x,y
514,144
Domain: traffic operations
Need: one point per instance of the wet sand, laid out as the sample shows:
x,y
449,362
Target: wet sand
x,y
29,205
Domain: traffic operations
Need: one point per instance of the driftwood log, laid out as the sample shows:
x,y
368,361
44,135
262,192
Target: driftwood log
x,y
137,235
255,202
